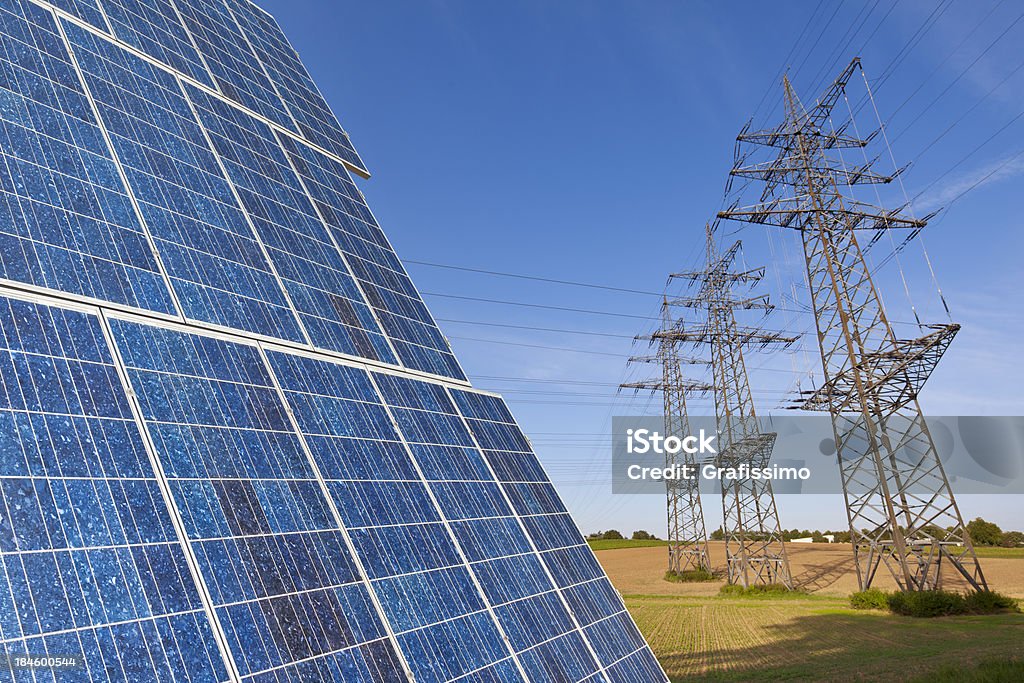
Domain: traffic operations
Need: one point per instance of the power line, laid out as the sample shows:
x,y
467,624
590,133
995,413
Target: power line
x,y
963,116
949,55
535,278
539,346
956,80
524,304
785,61
532,328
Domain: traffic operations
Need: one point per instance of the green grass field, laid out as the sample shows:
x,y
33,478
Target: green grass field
x,y
819,638
988,551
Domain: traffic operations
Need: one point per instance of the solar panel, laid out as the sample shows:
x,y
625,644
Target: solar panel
x,y
399,307
236,70
237,446
582,584
66,221
214,260
312,114
87,10
330,304
535,618
155,28
92,568
286,591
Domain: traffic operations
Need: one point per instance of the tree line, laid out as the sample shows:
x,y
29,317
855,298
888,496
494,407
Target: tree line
x,y
982,533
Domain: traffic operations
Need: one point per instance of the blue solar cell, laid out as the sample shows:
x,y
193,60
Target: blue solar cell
x,y
526,600
86,10
615,638
513,577
400,535
155,28
230,59
329,303
312,114
282,579
593,601
90,555
211,254
552,530
66,221
585,590
563,659
640,666
405,319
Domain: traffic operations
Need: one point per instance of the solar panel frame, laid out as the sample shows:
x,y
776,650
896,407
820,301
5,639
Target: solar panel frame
x,y
400,308
218,268
75,226
89,11
237,72
155,28
239,361
105,509
579,579
409,551
329,302
562,654
313,117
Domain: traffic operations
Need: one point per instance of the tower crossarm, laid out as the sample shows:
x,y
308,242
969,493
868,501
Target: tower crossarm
x,y
755,302
682,360
740,336
773,171
783,138
800,212
894,376
687,386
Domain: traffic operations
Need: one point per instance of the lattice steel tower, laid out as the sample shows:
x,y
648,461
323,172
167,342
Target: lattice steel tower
x,y
687,535
901,509
755,551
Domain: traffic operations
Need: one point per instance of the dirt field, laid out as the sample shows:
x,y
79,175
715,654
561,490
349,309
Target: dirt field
x,y
817,568
699,635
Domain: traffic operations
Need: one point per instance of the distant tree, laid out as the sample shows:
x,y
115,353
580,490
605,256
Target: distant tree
x,y
611,535
595,535
1012,539
718,534
984,533
641,535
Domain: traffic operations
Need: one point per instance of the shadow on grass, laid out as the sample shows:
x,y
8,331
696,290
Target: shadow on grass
x,y
838,646
822,576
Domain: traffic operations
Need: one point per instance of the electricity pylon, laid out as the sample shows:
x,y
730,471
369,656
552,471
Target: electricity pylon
x,y
901,509
687,535
755,551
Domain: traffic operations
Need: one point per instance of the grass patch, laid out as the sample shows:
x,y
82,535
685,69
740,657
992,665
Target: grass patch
x,y
602,544
773,590
690,576
819,638
872,598
995,551
988,671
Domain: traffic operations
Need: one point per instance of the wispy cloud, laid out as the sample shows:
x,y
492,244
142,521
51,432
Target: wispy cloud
x,y
1000,169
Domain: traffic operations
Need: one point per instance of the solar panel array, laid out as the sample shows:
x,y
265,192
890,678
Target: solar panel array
x,y
234,444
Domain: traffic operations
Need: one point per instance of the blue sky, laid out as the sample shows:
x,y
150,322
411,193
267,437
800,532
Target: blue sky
x,y
590,141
